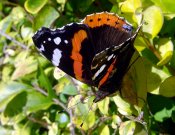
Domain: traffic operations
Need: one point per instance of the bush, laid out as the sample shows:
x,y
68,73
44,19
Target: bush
x,y
37,98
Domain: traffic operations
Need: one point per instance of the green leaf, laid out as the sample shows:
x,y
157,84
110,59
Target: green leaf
x,y
83,113
37,101
34,6
9,90
58,73
172,62
165,47
5,131
105,130
156,77
6,24
167,87
26,32
17,15
161,107
45,17
104,106
154,21
130,6
127,128
70,90
45,82
16,105
123,107
134,87
140,44
166,5
6,73
24,66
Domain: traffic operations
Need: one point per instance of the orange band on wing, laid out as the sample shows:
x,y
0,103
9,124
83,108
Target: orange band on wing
x,y
99,19
76,56
106,76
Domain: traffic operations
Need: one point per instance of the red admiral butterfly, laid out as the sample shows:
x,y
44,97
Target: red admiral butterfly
x,y
96,51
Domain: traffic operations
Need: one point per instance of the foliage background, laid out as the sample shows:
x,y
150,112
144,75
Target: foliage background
x,y
34,96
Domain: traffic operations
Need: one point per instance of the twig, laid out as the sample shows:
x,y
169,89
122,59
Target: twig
x,y
56,101
101,121
13,40
151,47
44,124
71,122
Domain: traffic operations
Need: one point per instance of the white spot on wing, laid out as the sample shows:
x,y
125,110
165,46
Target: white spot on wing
x,y
99,71
110,57
49,39
42,48
57,40
56,57
65,41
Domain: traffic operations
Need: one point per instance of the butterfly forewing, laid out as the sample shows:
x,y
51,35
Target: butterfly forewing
x,y
68,48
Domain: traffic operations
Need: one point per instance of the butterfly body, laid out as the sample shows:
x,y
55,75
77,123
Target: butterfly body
x,y
96,51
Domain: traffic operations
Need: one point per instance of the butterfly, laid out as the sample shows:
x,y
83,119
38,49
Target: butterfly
x,y
97,51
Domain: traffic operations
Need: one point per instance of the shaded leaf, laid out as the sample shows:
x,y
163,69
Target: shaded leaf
x,y
167,87
15,106
45,82
45,17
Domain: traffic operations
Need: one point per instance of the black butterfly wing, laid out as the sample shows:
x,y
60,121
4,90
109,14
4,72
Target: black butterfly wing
x,y
68,48
110,65
109,33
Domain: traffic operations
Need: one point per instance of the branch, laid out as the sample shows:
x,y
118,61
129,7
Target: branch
x,y
13,40
99,123
44,124
56,101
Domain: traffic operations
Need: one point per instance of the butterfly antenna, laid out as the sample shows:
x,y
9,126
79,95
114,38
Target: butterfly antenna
x,y
85,117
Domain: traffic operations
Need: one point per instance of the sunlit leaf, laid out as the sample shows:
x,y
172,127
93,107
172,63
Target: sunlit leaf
x,y
123,107
140,44
33,6
25,66
166,5
104,106
83,113
165,46
105,131
154,20
127,128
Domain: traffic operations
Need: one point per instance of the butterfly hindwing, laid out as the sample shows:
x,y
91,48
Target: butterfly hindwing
x,y
113,62
107,30
68,48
